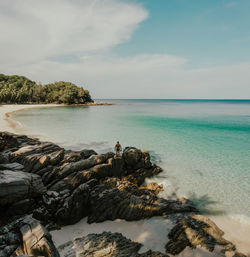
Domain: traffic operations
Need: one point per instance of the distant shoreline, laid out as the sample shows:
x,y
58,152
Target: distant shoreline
x,y
6,110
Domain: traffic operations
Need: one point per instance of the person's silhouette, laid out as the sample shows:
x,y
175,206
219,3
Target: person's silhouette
x,y
118,149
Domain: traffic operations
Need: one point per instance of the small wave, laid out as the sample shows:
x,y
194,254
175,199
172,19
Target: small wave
x,y
241,218
18,123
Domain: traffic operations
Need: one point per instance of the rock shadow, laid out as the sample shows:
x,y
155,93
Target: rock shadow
x,y
205,204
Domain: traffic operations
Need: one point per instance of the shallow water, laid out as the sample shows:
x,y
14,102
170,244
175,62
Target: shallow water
x,y
203,146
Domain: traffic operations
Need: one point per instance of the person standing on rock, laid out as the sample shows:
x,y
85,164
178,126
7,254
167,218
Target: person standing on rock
x,y
118,149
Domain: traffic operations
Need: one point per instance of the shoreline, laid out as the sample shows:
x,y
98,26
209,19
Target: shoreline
x,y
6,111
230,233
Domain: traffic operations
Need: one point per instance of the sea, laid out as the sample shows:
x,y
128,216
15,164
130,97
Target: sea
x,y
203,146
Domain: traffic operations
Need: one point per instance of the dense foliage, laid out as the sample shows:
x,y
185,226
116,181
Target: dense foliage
x,y
20,90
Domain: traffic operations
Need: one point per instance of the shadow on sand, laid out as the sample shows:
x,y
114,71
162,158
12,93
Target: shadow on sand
x,y
204,204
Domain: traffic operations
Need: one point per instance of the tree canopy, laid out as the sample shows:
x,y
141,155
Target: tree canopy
x,y
21,90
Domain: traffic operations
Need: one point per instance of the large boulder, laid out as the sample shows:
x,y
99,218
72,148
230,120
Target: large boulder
x,y
8,140
150,253
18,185
36,157
74,156
121,199
135,158
74,207
65,207
15,166
37,240
106,244
26,236
71,175
197,230
85,164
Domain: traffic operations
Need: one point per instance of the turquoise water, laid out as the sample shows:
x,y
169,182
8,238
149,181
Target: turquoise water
x,y
203,146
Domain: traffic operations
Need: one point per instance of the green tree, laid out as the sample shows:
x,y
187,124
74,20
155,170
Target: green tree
x,y
20,90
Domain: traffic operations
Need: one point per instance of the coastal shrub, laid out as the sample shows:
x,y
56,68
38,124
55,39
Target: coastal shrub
x,y
21,90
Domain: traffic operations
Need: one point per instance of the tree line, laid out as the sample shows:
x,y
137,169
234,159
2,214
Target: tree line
x,y
21,90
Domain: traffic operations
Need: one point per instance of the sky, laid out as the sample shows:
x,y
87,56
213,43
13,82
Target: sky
x,y
131,48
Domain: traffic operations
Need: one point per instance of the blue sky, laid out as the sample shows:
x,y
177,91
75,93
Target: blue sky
x,y
131,48
206,32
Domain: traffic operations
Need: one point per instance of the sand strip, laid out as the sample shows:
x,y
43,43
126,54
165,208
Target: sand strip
x,y
7,124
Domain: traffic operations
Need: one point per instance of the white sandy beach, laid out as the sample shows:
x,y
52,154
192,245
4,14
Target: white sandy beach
x,y
152,233
7,124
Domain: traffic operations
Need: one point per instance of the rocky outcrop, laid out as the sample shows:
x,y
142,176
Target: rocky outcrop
x,y
26,236
115,199
59,187
152,254
135,159
197,230
18,185
74,156
106,244
70,175
65,208
36,157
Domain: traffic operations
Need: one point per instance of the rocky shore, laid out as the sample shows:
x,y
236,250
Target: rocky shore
x,y
44,187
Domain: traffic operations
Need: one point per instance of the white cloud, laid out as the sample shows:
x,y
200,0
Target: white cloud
x,y
38,34
32,31
145,76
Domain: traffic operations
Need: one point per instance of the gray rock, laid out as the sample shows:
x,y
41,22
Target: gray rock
x,y
71,175
106,244
26,236
39,156
56,157
36,239
21,207
17,185
152,254
71,209
74,156
135,158
15,166
86,153
83,164
117,166
124,200
196,230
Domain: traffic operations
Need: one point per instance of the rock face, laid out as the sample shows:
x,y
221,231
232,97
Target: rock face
x,y
65,208
121,199
18,185
136,159
26,236
106,244
197,230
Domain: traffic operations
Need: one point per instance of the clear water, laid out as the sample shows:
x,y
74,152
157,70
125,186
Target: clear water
x,y
203,145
